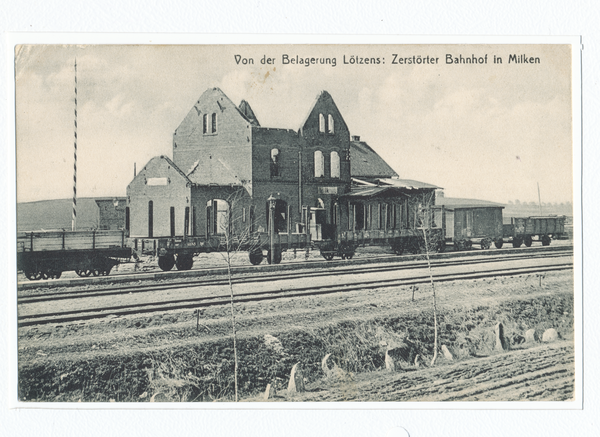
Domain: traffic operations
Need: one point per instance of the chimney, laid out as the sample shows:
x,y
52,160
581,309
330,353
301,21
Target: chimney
x,y
355,138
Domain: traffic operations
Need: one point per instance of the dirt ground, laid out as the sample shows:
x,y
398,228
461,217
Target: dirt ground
x,y
467,308
538,373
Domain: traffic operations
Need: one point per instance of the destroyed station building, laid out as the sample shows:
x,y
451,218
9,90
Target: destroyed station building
x,y
226,166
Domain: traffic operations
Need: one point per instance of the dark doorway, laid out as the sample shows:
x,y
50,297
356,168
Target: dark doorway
x,y
150,219
359,216
280,215
172,221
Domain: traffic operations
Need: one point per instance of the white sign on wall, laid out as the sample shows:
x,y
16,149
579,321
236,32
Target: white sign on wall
x,y
157,181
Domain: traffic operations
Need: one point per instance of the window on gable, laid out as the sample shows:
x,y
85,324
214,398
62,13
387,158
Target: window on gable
x,y
274,162
335,164
214,123
321,123
319,164
205,123
330,124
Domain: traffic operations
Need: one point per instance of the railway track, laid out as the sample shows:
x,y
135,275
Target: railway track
x,y
117,290
300,265
275,293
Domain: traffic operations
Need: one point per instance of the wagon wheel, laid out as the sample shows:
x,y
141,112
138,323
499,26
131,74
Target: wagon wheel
x,y
546,240
459,245
499,243
343,256
349,255
276,259
32,272
528,241
33,276
256,256
106,272
96,272
516,242
486,243
166,262
327,256
441,247
468,245
84,273
55,275
184,262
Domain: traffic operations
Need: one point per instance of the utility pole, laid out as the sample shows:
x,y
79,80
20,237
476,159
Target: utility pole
x,y
539,198
74,219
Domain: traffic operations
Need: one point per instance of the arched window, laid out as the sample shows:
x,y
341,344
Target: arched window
x,y
319,164
205,123
335,164
330,124
274,162
321,123
214,123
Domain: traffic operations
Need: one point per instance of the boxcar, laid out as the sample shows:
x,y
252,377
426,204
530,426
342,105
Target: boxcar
x,y
470,221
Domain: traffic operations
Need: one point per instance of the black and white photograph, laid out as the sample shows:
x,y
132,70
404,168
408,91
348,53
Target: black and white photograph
x,y
298,223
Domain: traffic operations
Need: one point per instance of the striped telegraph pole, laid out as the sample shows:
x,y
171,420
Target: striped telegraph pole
x,y
74,220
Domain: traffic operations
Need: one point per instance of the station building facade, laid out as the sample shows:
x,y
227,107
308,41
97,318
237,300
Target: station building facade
x,y
226,167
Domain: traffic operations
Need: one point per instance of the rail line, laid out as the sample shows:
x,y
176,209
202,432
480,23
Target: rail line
x,y
125,277
224,299
108,291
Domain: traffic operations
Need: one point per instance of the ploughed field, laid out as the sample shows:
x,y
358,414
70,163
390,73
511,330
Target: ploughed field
x,y
187,355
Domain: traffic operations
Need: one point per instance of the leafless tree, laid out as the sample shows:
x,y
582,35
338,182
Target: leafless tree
x,y
431,245
236,232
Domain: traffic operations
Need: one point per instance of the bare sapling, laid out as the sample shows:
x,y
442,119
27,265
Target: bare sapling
x,y
426,223
236,230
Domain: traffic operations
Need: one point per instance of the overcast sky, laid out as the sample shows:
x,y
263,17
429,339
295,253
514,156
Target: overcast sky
x,y
487,131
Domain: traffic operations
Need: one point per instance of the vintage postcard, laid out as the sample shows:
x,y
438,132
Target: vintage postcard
x,y
387,225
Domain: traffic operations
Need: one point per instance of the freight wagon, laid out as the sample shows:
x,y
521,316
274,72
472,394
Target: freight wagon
x,y
179,251
470,221
525,230
46,254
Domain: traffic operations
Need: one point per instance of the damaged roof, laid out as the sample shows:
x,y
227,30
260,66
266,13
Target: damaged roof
x,y
406,183
400,187
247,112
365,162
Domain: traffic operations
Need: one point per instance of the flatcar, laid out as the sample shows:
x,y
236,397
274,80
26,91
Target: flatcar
x,y
47,254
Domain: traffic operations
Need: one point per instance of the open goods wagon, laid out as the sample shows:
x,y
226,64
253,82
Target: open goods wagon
x,y
46,254
179,251
525,230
